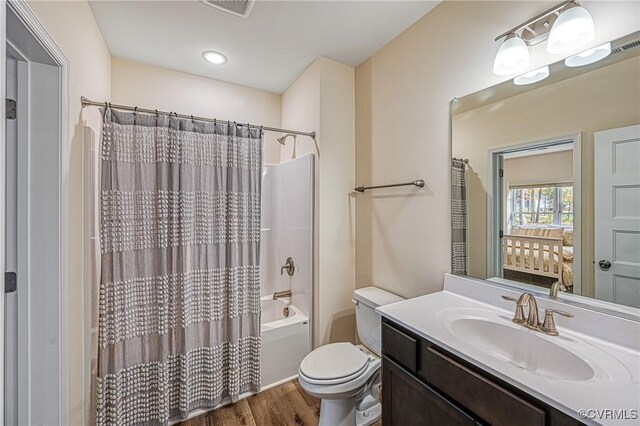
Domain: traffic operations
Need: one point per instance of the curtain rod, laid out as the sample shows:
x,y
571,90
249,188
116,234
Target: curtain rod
x,y
86,102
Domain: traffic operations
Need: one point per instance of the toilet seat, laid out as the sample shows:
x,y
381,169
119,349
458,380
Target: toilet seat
x,y
333,364
345,377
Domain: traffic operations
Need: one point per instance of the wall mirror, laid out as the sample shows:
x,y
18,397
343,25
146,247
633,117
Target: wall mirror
x,y
546,180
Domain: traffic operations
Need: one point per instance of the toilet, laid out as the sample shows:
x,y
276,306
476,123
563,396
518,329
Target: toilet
x,y
347,377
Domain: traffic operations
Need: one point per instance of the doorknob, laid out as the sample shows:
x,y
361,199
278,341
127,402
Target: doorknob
x,y
604,265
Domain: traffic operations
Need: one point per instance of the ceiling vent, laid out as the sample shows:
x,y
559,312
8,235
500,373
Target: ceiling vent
x,y
625,47
240,8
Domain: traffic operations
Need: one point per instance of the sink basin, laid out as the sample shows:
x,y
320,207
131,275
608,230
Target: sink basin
x,y
521,347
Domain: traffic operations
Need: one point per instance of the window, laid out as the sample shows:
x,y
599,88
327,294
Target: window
x,y
545,204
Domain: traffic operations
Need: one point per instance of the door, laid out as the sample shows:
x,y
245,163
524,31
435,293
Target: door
x,y
10,250
32,174
495,206
617,215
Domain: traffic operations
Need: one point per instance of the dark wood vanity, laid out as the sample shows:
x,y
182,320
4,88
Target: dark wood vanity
x,y
425,385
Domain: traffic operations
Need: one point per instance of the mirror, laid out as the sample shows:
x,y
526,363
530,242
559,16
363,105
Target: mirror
x,y
546,180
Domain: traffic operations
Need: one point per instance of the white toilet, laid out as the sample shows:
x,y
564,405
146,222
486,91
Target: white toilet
x,y
347,377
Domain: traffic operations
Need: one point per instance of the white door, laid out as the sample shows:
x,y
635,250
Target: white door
x,y
32,199
11,251
617,215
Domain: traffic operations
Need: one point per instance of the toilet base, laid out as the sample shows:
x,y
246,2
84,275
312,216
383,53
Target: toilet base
x,y
342,412
369,416
338,412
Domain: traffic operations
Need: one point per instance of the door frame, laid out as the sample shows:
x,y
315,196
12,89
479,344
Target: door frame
x,y
495,203
31,22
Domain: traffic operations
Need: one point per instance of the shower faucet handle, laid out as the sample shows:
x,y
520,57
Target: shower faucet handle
x,y
289,265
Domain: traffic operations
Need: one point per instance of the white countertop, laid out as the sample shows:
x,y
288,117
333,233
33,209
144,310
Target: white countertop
x,y
615,386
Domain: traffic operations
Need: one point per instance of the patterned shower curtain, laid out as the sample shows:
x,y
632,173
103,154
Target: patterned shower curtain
x,y
179,308
458,217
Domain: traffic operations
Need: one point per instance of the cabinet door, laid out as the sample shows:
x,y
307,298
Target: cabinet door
x,y
407,401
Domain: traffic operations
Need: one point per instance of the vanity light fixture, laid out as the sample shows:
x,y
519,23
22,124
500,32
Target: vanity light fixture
x,y
567,26
214,57
572,30
589,56
512,57
532,76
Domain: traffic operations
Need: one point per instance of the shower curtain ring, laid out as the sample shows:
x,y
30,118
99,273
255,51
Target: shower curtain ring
x,y
135,115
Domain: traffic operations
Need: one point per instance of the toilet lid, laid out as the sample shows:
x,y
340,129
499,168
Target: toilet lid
x,y
333,361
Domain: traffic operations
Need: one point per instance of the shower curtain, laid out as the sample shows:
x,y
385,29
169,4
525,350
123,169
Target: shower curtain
x,y
179,301
458,217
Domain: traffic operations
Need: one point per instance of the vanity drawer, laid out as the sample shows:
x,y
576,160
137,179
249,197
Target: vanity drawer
x,y
489,401
400,346
408,401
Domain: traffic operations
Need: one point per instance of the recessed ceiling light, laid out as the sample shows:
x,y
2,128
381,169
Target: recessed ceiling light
x,y
532,76
214,57
589,56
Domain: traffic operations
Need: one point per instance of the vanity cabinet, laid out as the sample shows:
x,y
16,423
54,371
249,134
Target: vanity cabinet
x,y
424,384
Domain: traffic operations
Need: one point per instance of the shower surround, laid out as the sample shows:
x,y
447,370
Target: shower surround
x,y
287,231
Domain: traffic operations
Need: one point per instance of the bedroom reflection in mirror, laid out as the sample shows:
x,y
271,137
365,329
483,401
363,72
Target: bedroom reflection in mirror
x,y
538,216
545,181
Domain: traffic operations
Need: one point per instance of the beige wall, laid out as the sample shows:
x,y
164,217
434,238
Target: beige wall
x,y
72,26
322,99
562,109
148,86
402,133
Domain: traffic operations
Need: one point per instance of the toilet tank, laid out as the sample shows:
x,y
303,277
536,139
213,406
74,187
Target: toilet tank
x,y
368,322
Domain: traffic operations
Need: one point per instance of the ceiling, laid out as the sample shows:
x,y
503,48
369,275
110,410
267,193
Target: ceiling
x,y
268,50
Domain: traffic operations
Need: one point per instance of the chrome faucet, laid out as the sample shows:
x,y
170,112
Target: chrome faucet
x,y
533,320
279,294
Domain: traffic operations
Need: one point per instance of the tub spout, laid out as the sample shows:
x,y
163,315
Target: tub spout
x,y
279,294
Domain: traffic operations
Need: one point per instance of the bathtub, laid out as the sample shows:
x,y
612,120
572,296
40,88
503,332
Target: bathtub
x,y
285,341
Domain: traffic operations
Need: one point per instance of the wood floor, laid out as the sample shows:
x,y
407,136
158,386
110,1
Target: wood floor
x,y
284,405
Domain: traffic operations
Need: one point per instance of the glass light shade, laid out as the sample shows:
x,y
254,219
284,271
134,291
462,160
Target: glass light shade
x,y
589,56
573,29
214,57
532,76
512,57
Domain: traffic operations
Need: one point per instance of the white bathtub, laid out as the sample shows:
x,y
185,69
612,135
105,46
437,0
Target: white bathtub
x,y
285,341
